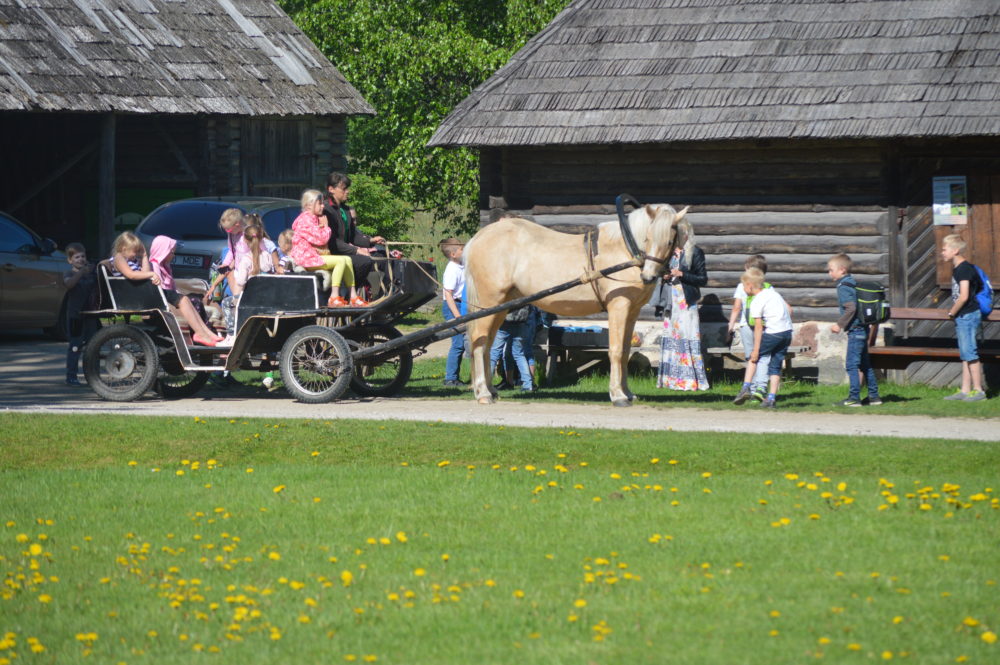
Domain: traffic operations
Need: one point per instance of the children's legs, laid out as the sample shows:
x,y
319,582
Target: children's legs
x,y
760,376
972,375
774,383
870,377
193,319
750,371
857,341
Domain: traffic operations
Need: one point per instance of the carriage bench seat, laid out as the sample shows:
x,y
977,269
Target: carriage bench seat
x,y
268,295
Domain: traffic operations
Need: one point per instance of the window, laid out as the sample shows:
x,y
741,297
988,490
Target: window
x,y
187,220
15,238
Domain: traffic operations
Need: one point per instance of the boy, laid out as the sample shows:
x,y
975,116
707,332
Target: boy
x,y
80,282
859,335
738,323
772,334
964,311
453,283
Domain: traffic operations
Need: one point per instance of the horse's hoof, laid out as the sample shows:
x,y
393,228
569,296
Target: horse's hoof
x,y
621,402
486,400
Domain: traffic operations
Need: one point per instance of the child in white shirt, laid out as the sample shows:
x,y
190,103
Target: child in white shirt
x,y
772,334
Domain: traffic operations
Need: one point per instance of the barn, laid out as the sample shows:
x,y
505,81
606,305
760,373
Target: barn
x,y
110,108
794,128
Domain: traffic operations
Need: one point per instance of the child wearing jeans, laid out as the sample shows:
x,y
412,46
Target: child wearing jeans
x,y
81,283
772,335
859,335
453,293
739,323
964,311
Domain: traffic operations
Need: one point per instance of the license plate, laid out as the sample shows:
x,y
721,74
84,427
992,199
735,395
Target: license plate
x,y
190,260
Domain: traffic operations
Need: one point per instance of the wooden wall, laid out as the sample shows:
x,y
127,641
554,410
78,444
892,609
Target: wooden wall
x,y
49,177
795,202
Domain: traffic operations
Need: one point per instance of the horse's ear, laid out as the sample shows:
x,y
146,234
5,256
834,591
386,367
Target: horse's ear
x,y
650,211
679,216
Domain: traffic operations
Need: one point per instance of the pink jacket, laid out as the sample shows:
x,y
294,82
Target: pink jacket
x,y
307,236
158,251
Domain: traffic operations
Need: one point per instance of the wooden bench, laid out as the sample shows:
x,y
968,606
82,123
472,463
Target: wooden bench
x,y
735,352
899,356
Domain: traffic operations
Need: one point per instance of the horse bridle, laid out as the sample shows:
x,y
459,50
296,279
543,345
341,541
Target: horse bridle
x,y
630,243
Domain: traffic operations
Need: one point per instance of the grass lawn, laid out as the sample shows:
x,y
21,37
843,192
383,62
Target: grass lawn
x,y
795,396
165,540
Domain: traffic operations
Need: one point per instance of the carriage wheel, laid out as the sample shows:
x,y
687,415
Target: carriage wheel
x,y
120,363
316,365
179,386
383,375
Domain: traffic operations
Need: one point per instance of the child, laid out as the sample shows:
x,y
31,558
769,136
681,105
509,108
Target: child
x,y
738,323
772,334
964,310
513,333
80,284
453,284
310,236
253,219
129,260
285,263
859,335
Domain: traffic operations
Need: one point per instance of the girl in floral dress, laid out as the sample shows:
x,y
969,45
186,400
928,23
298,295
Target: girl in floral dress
x,y
681,363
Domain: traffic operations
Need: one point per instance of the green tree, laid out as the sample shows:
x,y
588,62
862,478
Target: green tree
x,y
414,61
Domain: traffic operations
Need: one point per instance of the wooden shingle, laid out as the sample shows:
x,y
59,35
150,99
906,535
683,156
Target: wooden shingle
x,y
636,71
165,56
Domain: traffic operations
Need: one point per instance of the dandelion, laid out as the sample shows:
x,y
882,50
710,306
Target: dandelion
x,y
580,602
886,655
346,578
443,463
970,622
279,489
707,474
419,572
518,593
989,637
274,556
445,557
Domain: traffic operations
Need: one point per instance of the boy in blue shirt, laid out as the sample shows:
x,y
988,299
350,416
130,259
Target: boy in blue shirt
x,y
859,335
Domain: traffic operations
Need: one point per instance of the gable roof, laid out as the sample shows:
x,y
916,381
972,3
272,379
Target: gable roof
x,y
242,57
640,71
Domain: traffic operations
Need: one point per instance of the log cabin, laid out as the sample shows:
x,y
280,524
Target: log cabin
x,y
794,129
108,109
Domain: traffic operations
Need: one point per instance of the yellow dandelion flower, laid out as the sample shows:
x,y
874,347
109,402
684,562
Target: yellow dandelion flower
x,y
886,655
419,572
970,622
854,646
274,556
346,578
279,489
707,474
518,593
579,602
44,598
445,557
989,637
34,549
443,463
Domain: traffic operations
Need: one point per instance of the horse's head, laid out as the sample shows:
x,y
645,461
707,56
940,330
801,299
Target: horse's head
x,y
665,232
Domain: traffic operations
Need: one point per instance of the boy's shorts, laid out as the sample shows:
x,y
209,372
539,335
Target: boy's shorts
x,y
966,327
776,346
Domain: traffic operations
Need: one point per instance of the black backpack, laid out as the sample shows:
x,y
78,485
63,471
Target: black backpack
x,y
873,308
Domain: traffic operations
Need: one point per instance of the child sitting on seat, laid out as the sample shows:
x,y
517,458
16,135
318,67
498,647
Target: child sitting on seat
x,y
255,261
285,264
128,259
309,249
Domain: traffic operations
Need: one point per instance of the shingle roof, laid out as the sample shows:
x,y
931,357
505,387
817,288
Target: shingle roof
x,y
638,71
242,57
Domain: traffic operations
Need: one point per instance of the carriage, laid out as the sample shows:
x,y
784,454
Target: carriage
x,y
279,319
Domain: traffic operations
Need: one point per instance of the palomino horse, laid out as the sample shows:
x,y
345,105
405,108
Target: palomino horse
x,y
513,257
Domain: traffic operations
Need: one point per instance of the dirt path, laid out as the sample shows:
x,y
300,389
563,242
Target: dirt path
x,y
31,373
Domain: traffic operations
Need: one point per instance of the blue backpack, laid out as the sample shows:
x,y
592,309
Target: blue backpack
x,y
984,297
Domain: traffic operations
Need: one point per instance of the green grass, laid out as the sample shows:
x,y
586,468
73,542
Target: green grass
x,y
154,535
795,396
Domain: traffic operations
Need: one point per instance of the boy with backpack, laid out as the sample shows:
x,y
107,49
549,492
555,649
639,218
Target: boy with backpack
x,y
860,334
970,295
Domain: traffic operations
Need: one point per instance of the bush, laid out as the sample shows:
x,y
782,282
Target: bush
x,y
380,211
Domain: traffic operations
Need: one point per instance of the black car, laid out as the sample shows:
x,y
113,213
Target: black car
x,y
195,223
32,294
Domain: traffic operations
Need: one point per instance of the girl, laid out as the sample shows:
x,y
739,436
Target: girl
x,y
681,364
309,250
254,261
285,263
129,260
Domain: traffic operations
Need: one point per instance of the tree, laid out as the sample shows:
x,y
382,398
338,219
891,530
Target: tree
x,y
414,61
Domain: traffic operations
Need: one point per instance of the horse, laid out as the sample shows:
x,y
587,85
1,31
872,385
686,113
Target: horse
x,y
514,257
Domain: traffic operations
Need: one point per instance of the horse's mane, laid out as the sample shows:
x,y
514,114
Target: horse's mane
x,y
639,222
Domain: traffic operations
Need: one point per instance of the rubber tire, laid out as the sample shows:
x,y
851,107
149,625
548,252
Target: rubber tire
x,y
179,386
141,354
403,358
313,345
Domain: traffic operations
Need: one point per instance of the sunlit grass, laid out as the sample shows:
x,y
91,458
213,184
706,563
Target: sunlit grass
x,y
160,540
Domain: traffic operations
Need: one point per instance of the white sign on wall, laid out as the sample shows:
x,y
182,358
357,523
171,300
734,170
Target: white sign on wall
x,y
951,200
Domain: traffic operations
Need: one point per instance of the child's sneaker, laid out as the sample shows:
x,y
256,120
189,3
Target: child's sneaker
x,y
959,396
869,401
358,302
975,396
227,341
337,301
760,394
72,381
767,404
743,395
850,401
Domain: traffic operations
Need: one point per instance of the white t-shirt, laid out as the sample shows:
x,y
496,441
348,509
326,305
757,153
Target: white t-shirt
x,y
771,307
740,294
454,279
